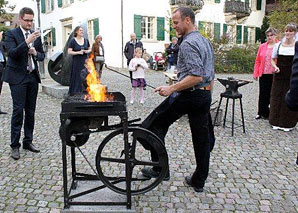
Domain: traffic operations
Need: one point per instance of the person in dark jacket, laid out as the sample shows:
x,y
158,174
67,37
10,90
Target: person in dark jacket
x,y
292,94
172,52
130,49
2,64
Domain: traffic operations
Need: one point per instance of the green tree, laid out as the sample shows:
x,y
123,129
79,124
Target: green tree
x,y
286,12
4,15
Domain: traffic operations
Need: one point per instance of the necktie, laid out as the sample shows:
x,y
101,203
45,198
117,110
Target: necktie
x,y
29,66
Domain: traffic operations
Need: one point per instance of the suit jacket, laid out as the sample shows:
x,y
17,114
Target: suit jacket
x,y
17,49
292,94
2,65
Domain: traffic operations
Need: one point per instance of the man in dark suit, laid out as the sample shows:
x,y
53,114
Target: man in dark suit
x,y
292,94
2,65
24,49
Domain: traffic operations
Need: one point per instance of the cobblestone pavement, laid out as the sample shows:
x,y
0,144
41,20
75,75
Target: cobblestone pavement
x,y
252,172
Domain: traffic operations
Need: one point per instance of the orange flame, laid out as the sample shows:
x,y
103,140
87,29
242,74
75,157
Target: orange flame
x,y
96,91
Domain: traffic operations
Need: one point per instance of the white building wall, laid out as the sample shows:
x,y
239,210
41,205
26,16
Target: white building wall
x,y
109,15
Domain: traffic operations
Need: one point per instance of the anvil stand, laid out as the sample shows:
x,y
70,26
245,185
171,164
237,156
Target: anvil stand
x,y
231,92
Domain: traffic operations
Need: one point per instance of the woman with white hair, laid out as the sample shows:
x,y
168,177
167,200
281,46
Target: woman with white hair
x,y
98,52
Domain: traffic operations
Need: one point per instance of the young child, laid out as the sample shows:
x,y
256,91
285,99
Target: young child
x,y
138,66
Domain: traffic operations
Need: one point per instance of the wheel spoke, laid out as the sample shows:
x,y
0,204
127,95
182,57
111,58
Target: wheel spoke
x,y
115,160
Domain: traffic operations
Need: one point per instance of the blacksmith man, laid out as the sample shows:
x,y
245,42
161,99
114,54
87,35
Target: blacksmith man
x,y
190,95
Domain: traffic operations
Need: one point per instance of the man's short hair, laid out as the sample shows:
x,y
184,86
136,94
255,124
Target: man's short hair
x,y
186,12
25,10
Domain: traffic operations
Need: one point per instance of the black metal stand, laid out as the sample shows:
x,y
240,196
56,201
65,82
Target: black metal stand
x,y
88,177
231,92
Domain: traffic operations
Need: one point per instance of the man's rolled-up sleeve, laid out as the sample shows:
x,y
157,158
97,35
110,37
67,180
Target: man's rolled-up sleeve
x,y
193,61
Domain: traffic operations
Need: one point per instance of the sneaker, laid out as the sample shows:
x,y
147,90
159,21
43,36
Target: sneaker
x,y
275,127
258,117
286,129
142,101
131,101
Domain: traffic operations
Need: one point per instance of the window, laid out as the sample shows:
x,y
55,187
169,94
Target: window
x,y
230,33
47,6
147,26
93,29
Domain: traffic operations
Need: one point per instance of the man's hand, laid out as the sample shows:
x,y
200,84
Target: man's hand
x,y
164,90
32,51
276,70
32,37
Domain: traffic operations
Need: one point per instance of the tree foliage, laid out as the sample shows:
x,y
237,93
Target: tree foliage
x,y
4,8
286,12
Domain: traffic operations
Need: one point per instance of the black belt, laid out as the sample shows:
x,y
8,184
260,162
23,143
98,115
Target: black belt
x,y
196,88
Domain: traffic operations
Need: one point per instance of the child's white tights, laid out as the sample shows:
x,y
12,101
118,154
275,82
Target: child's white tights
x,y
133,91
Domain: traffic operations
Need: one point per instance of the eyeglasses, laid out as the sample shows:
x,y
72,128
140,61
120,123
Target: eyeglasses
x,y
28,20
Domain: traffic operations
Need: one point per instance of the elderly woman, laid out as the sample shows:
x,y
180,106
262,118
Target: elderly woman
x,y
263,70
282,56
97,51
79,48
172,51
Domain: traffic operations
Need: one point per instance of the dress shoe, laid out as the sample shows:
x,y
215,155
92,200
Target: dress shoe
x,y
15,153
3,113
188,182
150,173
30,147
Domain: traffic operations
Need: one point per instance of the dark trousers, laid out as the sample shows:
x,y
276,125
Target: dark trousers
x,y
24,99
130,72
265,83
196,105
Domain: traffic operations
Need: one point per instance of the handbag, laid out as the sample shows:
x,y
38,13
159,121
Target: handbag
x,y
99,59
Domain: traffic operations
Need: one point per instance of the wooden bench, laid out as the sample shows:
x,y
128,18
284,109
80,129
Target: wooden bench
x,y
171,76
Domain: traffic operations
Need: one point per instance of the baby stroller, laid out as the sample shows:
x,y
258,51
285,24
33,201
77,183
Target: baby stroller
x,y
159,61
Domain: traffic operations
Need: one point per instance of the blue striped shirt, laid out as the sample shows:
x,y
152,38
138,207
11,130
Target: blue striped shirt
x,y
196,58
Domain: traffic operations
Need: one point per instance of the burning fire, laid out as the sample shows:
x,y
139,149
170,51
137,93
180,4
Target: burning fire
x,y
96,91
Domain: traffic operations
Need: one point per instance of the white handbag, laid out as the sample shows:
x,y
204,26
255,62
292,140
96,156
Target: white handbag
x,y
99,59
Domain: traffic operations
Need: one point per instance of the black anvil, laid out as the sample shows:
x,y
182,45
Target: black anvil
x,y
231,84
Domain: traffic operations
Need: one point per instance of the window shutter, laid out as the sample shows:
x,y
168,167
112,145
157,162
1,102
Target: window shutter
x,y
201,25
245,39
137,26
71,1
160,28
95,27
52,5
259,4
217,1
258,34
43,6
225,28
60,3
239,34
53,31
216,31
247,1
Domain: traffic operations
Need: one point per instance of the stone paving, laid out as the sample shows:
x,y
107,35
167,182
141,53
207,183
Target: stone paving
x,y
252,172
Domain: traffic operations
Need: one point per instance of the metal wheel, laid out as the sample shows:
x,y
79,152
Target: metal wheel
x,y
74,136
110,160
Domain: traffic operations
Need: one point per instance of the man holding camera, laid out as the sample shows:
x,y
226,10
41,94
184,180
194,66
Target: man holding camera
x,y
24,49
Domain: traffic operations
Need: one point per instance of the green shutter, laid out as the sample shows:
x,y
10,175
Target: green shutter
x,y
52,5
259,4
160,28
239,34
60,3
247,1
201,26
245,39
258,34
71,1
137,26
43,6
216,31
217,1
53,31
225,28
95,27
